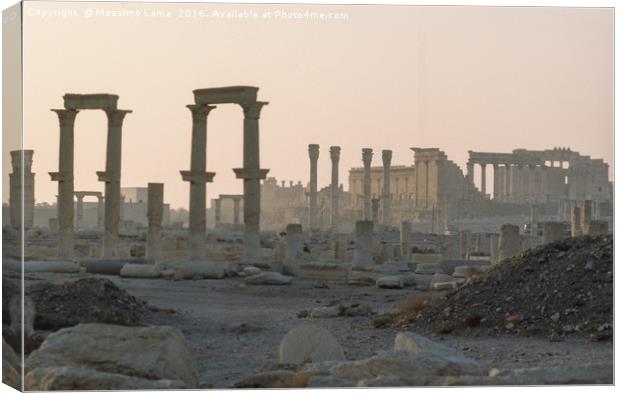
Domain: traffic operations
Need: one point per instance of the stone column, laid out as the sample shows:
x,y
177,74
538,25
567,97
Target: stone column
x,y
236,209
386,155
218,212
294,247
79,209
496,182
100,211
362,256
375,210
515,172
405,240
470,172
493,248
154,214
575,222
367,158
21,191
464,237
64,177
483,179
112,179
586,216
552,231
313,218
507,182
509,241
198,177
252,174
334,154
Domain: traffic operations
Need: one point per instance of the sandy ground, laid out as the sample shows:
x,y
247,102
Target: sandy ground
x,y
234,330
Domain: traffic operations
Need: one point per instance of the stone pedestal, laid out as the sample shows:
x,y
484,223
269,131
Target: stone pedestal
x,y
79,210
313,210
218,212
334,154
575,222
509,241
367,159
21,161
198,178
112,179
386,155
552,231
252,174
362,257
294,246
236,209
405,239
155,214
64,177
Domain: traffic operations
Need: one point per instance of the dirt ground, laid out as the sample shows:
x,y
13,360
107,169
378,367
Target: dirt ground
x,y
233,330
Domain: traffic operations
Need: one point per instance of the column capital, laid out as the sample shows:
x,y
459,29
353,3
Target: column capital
x,y
200,111
367,155
386,155
66,117
197,176
250,174
334,153
116,116
313,152
108,176
61,176
251,110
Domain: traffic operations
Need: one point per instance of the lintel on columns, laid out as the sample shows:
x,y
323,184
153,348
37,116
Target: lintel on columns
x,y
226,95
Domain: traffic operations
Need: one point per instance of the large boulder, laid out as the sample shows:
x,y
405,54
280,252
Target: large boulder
x,y
152,353
201,269
85,300
73,378
395,282
309,343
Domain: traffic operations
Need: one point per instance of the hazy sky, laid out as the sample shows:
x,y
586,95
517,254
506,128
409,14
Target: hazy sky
x,y
457,78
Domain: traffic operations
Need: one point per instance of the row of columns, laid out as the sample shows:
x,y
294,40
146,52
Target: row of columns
x,y
313,209
512,182
80,195
217,205
111,177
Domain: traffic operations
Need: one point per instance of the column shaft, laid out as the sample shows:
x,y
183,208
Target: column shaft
x,y
236,210
387,195
367,158
313,219
483,179
334,153
155,213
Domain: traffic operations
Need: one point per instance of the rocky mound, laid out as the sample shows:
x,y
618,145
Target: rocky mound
x,y
564,288
81,301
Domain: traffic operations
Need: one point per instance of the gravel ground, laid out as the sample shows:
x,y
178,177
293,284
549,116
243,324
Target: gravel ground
x,y
234,330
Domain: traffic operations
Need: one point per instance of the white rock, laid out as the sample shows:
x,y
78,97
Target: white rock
x,y
156,352
308,343
71,378
268,278
390,282
251,270
134,270
325,312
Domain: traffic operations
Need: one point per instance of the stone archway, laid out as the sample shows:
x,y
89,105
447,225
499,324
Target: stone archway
x,y
251,173
73,103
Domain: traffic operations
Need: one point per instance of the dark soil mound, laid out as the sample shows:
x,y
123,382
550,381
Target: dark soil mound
x,y
564,288
85,300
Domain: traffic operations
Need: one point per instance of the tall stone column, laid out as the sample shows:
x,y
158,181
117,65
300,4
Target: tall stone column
x,y
64,177
198,177
362,255
21,191
375,210
155,215
496,182
405,239
252,174
112,179
313,218
586,216
507,182
236,209
483,179
334,154
575,222
79,209
100,200
386,155
470,172
218,212
367,159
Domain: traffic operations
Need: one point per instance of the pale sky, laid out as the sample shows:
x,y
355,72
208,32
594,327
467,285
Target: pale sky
x,y
386,77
